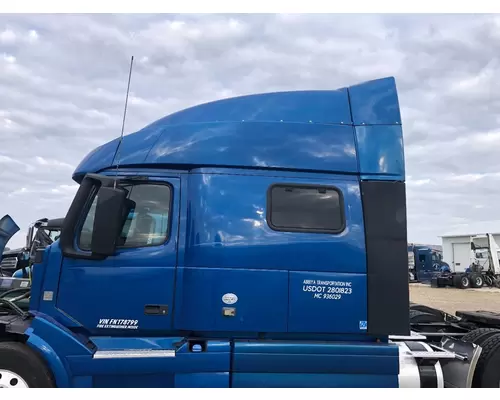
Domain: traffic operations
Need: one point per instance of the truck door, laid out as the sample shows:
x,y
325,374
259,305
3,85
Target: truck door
x,y
424,265
134,288
461,256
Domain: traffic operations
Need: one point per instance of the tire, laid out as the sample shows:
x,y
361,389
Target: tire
x,y
487,374
19,361
463,282
476,280
478,336
488,280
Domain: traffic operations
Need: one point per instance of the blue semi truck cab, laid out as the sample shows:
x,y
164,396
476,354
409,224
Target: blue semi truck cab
x,y
424,263
257,241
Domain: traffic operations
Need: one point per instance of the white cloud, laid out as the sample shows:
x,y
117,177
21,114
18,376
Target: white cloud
x,y
7,36
53,163
33,35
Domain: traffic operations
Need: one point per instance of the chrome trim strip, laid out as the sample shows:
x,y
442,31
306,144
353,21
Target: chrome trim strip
x,y
432,354
134,353
413,336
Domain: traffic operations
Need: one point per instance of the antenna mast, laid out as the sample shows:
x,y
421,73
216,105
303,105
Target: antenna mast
x,y
117,154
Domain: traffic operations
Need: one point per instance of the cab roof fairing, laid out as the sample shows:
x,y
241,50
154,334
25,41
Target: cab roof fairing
x,y
350,129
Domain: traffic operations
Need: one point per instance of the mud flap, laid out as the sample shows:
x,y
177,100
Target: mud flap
x,y
448,364
458,372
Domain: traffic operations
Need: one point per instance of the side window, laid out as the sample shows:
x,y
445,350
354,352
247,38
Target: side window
x,y
306,208
147,223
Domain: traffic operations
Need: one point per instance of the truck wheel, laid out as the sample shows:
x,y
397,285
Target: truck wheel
x,y
478,336
477,281
21,367
463,282
487,374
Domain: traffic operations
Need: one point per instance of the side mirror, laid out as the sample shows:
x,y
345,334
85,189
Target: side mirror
x,y
108,221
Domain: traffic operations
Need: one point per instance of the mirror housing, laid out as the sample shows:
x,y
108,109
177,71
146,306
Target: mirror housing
x,y
104,238
108,221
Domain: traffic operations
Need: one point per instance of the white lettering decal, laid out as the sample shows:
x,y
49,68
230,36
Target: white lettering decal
x,y
327,290
106,323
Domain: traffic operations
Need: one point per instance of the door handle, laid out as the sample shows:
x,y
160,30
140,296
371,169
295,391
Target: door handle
x,y
156,309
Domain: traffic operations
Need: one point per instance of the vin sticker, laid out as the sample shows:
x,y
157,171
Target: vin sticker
x,y
107,323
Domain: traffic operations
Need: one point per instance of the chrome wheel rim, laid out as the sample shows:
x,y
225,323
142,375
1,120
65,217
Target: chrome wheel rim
x,y
11,380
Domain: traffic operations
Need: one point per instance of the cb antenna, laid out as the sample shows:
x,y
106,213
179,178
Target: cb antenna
x,y
117,154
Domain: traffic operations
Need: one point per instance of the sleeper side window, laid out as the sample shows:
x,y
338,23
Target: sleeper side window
x,y
148,220
305,208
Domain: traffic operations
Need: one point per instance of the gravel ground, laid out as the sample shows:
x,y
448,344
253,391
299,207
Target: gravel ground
x,y
451,299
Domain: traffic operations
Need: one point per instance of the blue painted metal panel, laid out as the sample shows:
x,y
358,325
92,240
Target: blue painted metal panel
x,y
265,380
98,159
317,363
327,302
82,382
209,368
258,144
340,347
227,227
380,151
187,369
119,292
202,380
136,381
375,102
52,272
51,358
122,285
261,305
130,367
296,364
287,130
135,147
54,342
319,106
37,280
61,338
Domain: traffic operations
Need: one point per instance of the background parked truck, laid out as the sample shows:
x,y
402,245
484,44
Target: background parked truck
x,y
424,262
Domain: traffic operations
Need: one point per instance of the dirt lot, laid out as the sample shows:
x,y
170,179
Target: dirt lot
x,y
451,299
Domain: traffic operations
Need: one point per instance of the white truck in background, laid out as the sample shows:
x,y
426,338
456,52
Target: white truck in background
x,y
473,260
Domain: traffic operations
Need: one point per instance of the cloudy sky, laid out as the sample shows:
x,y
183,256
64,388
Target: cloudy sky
x,y
63,81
